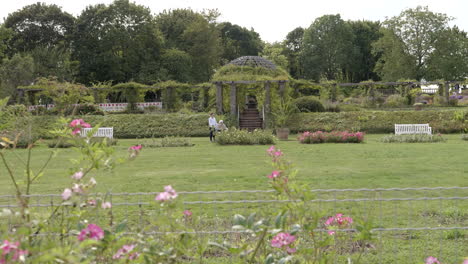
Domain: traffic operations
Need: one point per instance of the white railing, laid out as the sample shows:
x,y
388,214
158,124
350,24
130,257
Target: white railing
x,y
107,107
107,132
409,129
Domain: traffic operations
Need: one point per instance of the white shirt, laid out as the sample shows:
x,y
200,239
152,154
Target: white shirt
x,y
212,122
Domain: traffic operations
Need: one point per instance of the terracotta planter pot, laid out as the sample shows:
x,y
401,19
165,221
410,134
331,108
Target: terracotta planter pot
x,y
282,133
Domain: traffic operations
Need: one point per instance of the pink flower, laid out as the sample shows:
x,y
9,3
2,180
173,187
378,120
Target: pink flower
x,y
274,174
170,191
67,193
77,175
106,205
20,255
77,188
187,213
76,131
137,147
338,221
465,261
432,260
271,150
290,250
92,202
282,239
77,125
124,250
163,196
92,231
8,247
278,153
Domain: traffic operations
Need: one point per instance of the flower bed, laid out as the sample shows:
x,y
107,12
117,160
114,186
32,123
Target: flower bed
x,y
417,138
330,137
244,137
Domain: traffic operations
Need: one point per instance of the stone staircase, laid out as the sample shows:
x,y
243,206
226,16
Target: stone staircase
x,y
250,118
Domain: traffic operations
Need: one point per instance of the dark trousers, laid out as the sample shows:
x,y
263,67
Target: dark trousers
x,y
212,134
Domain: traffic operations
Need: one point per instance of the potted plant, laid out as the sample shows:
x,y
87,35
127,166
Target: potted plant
x,y
282,113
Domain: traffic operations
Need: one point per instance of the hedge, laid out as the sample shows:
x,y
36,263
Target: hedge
x,y
136,126
375,122
195,125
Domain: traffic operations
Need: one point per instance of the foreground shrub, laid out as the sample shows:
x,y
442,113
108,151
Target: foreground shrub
x,y
244,137
167,142
417,138
332,137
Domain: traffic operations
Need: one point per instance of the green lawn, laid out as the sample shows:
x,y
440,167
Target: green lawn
x,y
208,166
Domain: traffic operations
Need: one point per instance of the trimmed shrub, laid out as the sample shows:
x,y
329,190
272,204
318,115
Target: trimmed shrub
x,y
332,137
395,100
244,137
374,121
309,104
167,142
56,143
416,138
83,109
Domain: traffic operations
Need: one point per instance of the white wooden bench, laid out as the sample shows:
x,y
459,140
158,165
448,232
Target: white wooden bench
x,y
408,129
101,132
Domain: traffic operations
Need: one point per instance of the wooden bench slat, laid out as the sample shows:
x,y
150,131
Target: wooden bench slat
x,y
101,132
405,129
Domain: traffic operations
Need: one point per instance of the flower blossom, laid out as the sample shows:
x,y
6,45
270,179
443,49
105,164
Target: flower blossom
x,y
67,193
77,188
92,231
106,205
134,151
92,181
12,248
338,221
77,175
283,240
77,125
125,250
275,174
187,213
168,194
92,202
432,260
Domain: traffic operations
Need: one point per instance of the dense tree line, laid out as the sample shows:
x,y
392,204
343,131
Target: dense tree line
x,y
123,42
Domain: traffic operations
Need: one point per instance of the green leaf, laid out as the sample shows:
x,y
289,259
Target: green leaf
x,y
250,220
239,220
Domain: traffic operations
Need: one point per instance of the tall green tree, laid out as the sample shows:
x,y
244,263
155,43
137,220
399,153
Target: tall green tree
x,y
275,53
293,48
238,41
326,47
39,24
449,59
54,62
14,72
419,30
119,42
393,63
363,59
197,35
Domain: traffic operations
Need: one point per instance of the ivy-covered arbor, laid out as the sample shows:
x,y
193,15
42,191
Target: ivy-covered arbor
x,y
249,76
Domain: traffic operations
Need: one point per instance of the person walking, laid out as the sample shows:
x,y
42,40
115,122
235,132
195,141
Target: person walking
x,y
212,124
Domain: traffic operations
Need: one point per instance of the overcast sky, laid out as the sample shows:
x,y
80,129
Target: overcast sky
x,y
274,19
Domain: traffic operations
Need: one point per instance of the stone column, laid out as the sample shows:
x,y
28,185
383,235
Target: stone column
x,y
446,92
282,88
233,101
219,98
267,104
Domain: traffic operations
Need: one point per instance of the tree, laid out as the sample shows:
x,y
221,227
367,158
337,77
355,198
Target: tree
x,y
177,65
393,63
364,61
238,41
5,35
448,61
326,47
419,30
293,49
54,62
14,72
39,25
197,35
119,42
274,52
